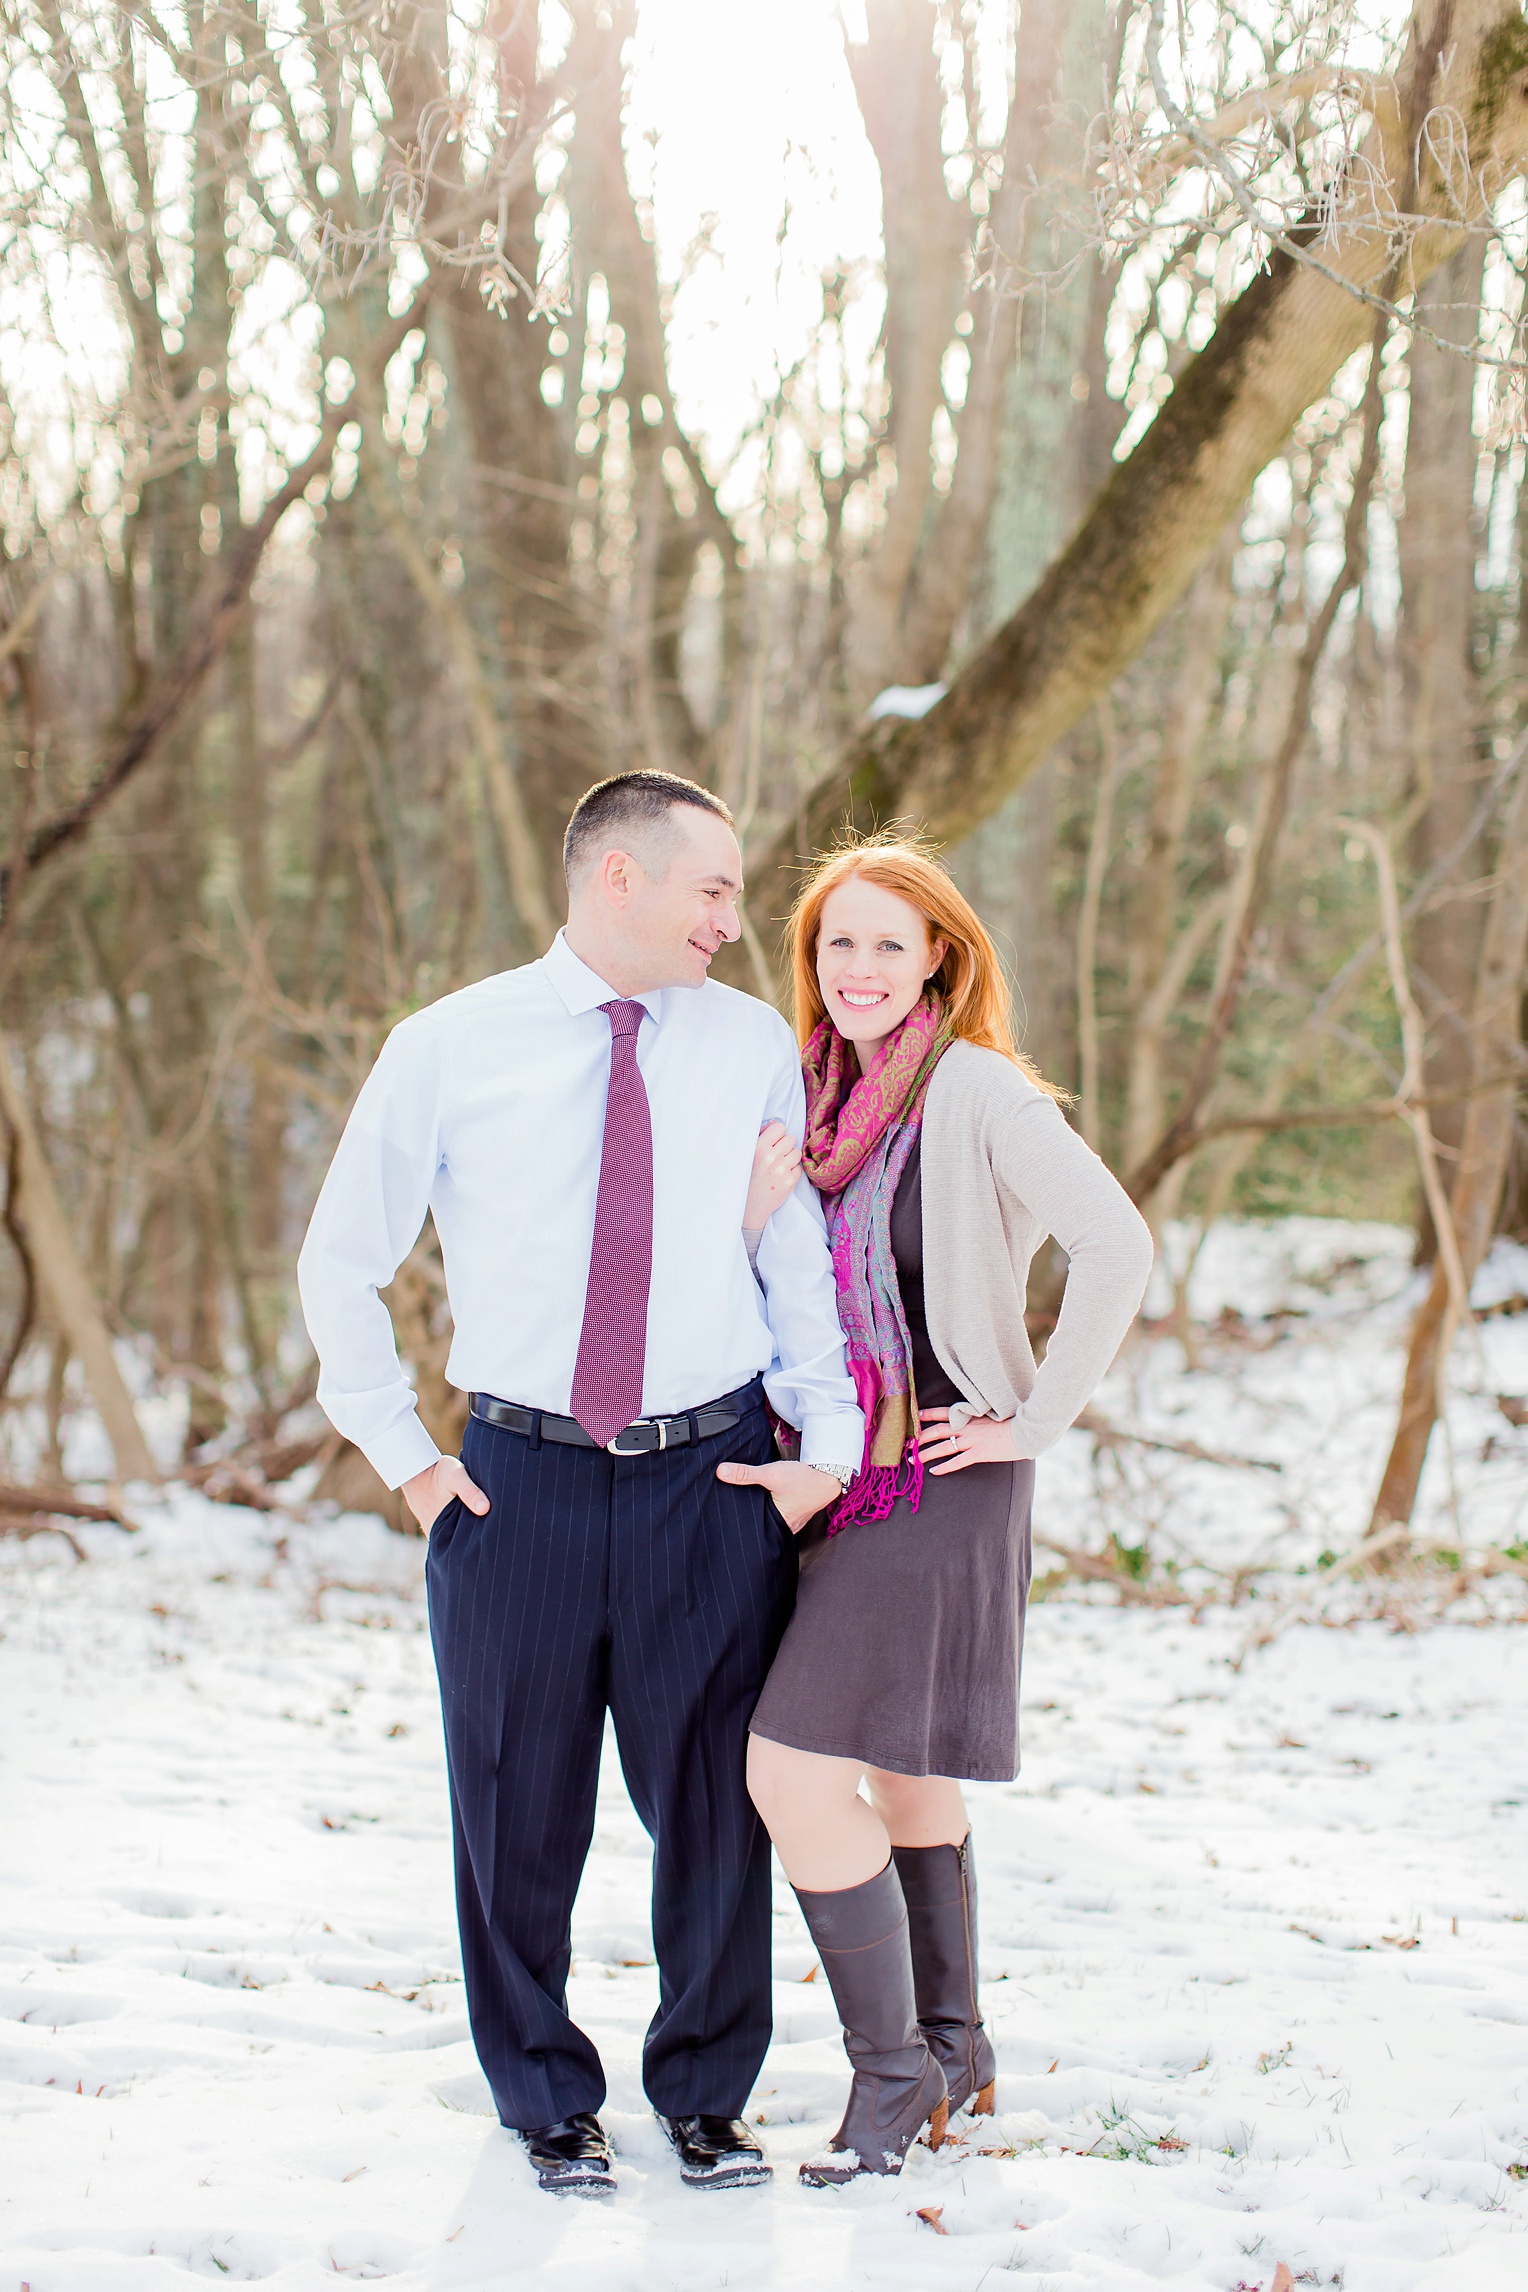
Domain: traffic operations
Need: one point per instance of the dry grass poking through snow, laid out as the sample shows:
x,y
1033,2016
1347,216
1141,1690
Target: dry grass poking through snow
x,y
1234,1453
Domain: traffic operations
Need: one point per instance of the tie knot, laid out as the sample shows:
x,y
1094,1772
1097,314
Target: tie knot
x,y
625,1018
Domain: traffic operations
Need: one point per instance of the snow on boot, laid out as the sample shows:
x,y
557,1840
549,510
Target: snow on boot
x,y
898,2086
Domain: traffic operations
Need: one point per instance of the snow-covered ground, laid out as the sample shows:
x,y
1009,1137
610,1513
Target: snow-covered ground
x,y
1255,1917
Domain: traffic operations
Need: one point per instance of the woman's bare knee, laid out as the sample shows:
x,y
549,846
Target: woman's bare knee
x,y
767,1783
918,1810
784,1783
825,1834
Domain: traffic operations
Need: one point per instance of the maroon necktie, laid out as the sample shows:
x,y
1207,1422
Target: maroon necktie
x,y
612,1347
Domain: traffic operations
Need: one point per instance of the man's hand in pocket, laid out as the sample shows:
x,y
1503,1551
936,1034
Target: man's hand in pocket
x,y
800,1491
429,1492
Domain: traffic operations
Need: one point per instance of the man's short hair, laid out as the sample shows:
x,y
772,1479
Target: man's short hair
x,y
635,808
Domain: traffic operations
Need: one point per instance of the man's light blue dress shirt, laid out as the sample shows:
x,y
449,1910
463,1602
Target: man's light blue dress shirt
x,y
488,1110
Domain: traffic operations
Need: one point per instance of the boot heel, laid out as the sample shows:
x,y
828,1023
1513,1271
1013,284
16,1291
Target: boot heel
x,y
939,1888
938,2125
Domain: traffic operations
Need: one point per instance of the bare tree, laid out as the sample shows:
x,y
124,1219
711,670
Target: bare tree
x,y
382,538
1160,515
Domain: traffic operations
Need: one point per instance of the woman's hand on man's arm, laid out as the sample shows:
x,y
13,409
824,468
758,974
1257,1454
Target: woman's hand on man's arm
x,y
776,1169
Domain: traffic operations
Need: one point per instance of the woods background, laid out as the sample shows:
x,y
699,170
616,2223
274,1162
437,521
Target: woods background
x,y
1147,524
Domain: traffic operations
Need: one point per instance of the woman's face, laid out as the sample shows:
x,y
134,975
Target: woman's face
x,y
874,958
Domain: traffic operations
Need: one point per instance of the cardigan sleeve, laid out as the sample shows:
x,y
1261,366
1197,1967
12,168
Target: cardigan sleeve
x,y
1038,1158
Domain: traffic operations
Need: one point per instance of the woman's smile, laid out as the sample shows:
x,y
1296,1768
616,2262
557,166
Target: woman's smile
x,y
875,956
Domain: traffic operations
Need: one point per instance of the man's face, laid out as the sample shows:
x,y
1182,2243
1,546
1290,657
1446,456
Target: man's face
x,y
669,926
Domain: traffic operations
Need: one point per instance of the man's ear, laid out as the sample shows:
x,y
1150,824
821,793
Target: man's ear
x,y
617,870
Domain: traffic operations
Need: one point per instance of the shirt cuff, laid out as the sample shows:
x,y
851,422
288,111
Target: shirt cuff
x,y
404,1449
835,1439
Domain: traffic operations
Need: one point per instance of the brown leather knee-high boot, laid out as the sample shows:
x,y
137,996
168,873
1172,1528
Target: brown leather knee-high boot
x,y
898,2086
939,1886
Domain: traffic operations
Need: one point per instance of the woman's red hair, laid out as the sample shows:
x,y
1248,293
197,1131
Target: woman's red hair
x,y
969,979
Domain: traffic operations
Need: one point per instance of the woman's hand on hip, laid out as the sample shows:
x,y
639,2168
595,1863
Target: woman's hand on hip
x,y
984,1440
430,1491
800,1491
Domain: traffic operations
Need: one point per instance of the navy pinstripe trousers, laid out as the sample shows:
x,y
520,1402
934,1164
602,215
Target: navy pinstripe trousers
x,y
646,1586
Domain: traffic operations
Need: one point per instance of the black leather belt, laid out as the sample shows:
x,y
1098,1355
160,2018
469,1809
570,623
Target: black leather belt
x,y
646,1437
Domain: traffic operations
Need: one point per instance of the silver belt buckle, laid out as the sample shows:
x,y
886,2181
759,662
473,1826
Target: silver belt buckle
x,y
662,1424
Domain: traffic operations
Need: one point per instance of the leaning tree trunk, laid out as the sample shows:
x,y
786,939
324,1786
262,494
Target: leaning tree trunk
x,y
1272,355
1482,1165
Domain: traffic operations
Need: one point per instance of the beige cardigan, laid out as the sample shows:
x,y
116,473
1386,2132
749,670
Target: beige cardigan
x,y
1002,1168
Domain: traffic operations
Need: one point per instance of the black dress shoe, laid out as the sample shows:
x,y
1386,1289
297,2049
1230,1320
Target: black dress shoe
x,y
571,2156
716,2152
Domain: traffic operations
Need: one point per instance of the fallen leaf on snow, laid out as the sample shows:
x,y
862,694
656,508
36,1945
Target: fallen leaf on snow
x,y
811,1977
933,2215
455,2233
1282,2280
1052,2069
1403,1941
355,2176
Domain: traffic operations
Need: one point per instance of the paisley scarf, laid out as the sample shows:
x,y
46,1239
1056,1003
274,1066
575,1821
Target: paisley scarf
x,y
860,1133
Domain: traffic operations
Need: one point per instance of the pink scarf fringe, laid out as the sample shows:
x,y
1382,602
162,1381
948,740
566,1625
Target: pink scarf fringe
x,y
874,1494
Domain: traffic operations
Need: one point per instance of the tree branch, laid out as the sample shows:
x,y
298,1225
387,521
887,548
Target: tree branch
x,y
217,616
1333,1117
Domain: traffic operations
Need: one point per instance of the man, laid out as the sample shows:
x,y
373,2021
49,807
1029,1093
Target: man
x,y
583,1132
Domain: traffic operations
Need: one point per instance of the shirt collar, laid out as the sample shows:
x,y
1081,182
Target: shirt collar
x,y
584,990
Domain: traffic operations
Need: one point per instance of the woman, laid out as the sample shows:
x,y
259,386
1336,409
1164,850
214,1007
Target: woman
x,y
943,1161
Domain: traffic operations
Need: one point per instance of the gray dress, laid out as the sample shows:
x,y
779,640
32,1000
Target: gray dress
x,y
904,1648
